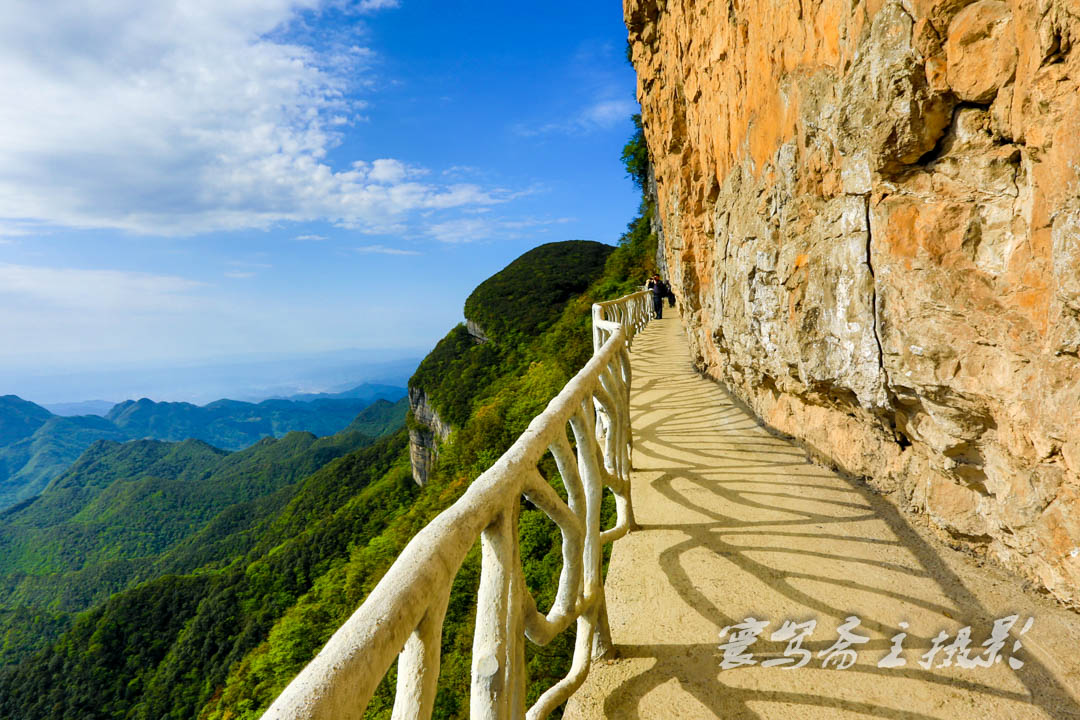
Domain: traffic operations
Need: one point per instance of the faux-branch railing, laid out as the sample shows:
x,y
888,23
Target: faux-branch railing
x,y
403,615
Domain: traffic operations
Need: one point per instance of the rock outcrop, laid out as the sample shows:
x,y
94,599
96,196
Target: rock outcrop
x,y
476,331
871,216
426,431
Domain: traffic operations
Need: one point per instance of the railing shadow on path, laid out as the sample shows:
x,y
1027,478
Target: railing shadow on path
x,y
794,541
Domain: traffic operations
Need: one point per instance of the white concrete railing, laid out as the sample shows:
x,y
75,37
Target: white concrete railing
x,y
403,615
631,312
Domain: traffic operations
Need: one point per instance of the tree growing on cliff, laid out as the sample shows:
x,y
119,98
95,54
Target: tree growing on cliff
x,y
635,156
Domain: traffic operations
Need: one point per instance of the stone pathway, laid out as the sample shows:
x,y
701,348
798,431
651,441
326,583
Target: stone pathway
x,y
735,523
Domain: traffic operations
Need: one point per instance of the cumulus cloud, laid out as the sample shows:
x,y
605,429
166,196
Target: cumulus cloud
x,y
185,116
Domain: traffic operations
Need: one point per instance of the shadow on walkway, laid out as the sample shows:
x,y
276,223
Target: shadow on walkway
x,y
735,523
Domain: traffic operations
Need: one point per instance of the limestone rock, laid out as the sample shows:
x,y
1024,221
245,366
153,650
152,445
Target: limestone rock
x,y
871,217
426,431
981,51
476,331
891,112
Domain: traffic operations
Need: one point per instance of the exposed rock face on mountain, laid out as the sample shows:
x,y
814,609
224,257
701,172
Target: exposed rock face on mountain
x,y
871,216
476,331
425,432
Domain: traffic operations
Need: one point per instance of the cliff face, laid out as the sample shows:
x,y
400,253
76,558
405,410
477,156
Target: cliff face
x,y
425,432
871,215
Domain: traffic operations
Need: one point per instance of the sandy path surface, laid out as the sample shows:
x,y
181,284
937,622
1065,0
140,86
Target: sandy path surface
x,y
735,523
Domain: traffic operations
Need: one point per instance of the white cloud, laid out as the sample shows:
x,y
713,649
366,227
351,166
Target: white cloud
x,y
384,250
90,291
466,230
310,238
12,230
606,114
178,117
461,170
387,171
239,275
462,230
598,115
372,5
529,223
64,317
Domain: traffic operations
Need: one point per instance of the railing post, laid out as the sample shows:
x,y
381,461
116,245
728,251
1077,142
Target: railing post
x,y
498,653
418,665
597,317
602,644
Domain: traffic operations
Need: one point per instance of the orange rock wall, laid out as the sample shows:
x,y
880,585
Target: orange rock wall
x,y
871,215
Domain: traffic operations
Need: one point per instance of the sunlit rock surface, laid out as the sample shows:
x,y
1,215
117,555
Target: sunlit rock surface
x,y
871,215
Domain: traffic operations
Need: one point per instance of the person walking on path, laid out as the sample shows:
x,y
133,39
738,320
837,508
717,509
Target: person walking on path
x,y
659,292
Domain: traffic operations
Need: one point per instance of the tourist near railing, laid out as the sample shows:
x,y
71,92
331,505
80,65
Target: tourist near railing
x,y
403,615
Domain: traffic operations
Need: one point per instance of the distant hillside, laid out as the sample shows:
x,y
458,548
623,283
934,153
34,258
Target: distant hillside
x,y
529,294
28,465
231,424
37,446
367,391
19,418
515,304
29,461
85,407
194,610
380,418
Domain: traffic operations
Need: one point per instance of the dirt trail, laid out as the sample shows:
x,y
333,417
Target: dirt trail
x,y
735,523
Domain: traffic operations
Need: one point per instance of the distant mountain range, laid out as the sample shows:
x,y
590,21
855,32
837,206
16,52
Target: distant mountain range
x,y
36,446
86,407
251,378
365,391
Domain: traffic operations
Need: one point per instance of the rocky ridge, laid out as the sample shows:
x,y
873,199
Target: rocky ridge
x,y
871,216
426,431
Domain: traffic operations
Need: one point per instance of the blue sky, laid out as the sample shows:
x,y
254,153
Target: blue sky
x,y
189,180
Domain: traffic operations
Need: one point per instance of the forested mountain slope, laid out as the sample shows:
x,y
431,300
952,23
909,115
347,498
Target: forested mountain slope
x,y
124,512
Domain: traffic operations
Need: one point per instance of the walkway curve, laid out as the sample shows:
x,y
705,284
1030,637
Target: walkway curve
x,y
736,523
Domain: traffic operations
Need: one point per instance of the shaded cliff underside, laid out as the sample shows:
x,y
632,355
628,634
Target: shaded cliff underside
x,y
871,215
